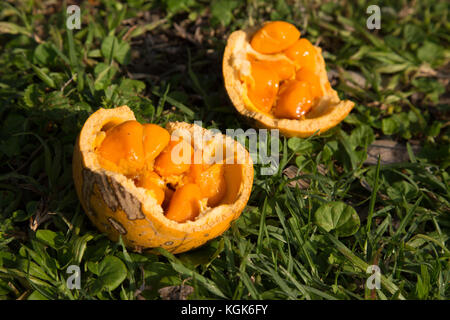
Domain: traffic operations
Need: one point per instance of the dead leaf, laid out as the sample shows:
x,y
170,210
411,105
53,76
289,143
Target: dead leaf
x,y
425,71
292,171
354,79
407,10
143,287
389,151
42,215
333,76
176,292
369,188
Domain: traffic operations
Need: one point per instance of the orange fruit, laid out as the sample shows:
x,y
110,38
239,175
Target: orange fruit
x,y
146,209
301,108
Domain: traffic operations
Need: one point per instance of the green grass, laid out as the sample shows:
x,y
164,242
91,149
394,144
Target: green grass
x,y
163,59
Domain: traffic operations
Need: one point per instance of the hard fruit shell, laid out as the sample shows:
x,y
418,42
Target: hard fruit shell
x,y
329,111
118,208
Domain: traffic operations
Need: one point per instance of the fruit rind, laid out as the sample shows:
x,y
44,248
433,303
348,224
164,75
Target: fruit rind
x,y
329,112
118,208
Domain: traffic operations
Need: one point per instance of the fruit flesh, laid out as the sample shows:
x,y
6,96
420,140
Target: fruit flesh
x,y
210,179
121,150
263,86
295,100
145,154
313,80
274,37
302,53
154,185
284,80
185,203
155,140
283,68
175,159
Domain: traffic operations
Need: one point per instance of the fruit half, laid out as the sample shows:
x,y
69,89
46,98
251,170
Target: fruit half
x,y
122,174
279,80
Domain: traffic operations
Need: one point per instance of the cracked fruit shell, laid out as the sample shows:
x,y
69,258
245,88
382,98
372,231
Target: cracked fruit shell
x,y
278,79
122,175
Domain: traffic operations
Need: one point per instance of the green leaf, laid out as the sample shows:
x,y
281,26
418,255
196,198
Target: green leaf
x,y
430,52
31,95
44,54
300,145
36,295
413,33
207,283
339,217
104,74
362,136
122,53
111,272
393,68
431,86
175,103
281,12
389,126
128,86
41,73
423,285
401,189
10,147
32,269
50,238
109,45
175,6
11,28
202,256
72,54
434,129
113,48
79,247
362,265
14,123
300,161
21,215
222,10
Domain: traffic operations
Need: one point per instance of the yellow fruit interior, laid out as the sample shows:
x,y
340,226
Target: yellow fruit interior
x,y
282,74
183,187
